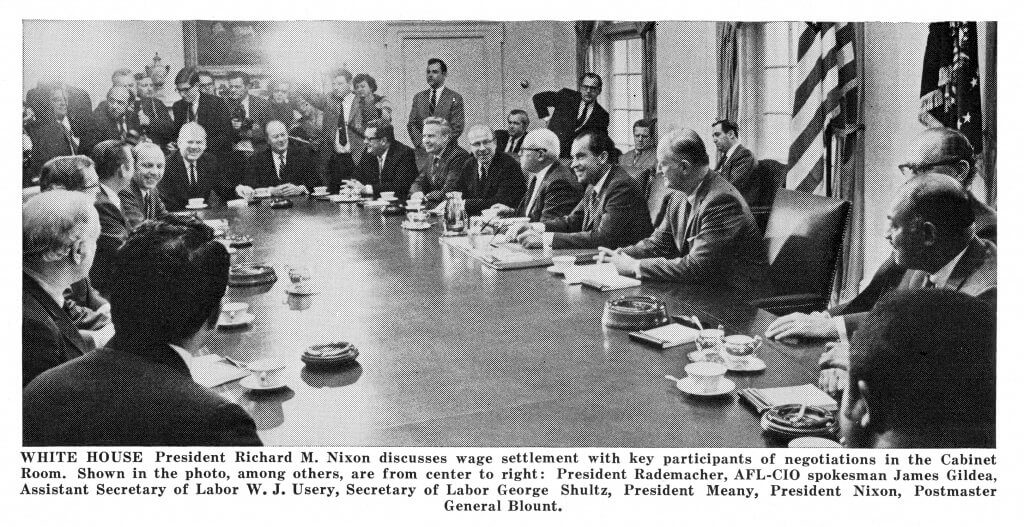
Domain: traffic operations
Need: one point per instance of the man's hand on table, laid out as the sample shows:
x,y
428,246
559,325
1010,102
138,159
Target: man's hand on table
x,y
836,356
529,238
245,192
814,325
502,211
625,264
288,190
833,381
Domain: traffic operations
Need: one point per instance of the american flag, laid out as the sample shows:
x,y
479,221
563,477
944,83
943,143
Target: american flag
x,y
950,85
826,95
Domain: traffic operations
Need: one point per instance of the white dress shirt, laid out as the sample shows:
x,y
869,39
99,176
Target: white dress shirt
x,y
538,179
111,195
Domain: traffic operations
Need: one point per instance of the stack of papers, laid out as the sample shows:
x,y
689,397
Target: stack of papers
x,y
602,276
210,371
667,336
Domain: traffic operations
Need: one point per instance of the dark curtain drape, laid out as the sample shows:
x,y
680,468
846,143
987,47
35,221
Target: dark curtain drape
x,y
584,36
650,74
728,70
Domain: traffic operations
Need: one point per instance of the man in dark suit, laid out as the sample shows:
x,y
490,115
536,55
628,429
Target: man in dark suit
x,y
191,172
552,190
574,111
387,165
612,212
59,233
115,165
708,235
138,390
735,162
140,198
932,234
249,113
334,144
489,177
436,101
155,119
282,165
59,133
77,103
923,374
113,119
511,140
209,111
445,159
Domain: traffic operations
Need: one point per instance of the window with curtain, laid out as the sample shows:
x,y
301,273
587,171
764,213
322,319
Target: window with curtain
x,y
777,47
626,89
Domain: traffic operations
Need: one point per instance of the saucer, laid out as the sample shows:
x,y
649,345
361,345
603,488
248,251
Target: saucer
x,y
416,226
197,207
751,364
813,442
243,320
252,383
319,194
291,291
556,271
687,386
344,199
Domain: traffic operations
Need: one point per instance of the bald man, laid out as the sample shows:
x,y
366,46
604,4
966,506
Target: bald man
x,y
286,167
113,120
489,177
192,172
140,198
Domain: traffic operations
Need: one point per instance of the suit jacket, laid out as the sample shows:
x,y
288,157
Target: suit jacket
x,y
48,336
79,104
161,128
49,141
102,127
398,174
331,106
739,170
889,275
214,117
436,174
449,106
134,208
566,104
113,233
974,274
715,241
299,168
259,114
501,142
130,397
503,183
615,217
175,190
559,194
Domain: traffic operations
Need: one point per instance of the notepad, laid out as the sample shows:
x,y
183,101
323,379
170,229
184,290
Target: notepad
x,y
610,283
209,371
667,336
809,394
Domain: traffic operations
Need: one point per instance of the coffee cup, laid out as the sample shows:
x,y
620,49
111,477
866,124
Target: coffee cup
x,y
563,263
414,204
267,372
196,202
299,277
234,310
705,375
710,340
387,195
741,347
320,190
416,217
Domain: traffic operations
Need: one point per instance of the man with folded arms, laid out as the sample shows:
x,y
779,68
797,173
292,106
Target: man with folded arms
x,y
932,234
552,191
140,198
444,160
59,233
115,165
708,235
489,177
192,172
388,165
612,212
284,167
138,391
923,374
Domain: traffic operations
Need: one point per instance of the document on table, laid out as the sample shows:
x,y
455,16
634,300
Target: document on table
x,y
210,370
599,276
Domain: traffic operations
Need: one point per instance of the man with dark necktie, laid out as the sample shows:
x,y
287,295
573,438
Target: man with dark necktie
x,y
736,162
57,134
437,100
552,190
574,111
510,140
489,177
113,120
284,166
192,172
337,160
445,159
387,165
208,110
154,118
140,199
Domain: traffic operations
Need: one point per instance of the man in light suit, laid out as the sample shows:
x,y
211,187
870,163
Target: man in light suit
x,y
552,190
612,212
489,177
510,140
115,165
138,390
208,110
59,233
140,198
574,111
735,162
708,235
445,159
58,134
436,101
387,165
192,172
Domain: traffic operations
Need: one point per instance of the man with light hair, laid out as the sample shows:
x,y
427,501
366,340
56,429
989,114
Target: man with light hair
x,y
192,172
445,159
59,233
140,199
490,178
551,189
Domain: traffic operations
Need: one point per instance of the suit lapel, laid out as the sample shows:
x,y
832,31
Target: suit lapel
x,y
67,328
970,262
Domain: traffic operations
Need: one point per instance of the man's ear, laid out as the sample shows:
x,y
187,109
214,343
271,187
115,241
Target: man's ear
x,y
77,252
928,232
603,157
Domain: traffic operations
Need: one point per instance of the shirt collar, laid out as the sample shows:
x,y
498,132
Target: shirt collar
x,y
600,183
185,355
111,195
55,292
942,276
543,172
732,149
195,105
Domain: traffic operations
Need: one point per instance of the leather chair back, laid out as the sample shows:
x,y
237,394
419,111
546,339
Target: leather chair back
x,y
772,175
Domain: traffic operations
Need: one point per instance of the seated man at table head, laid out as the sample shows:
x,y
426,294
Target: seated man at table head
x,y
445,159
138,390
115,165
923,374
488,178
552,190
510,140
388,165
708,235
140,198
612,212
931,230
286,167
59,233
192,172
735,162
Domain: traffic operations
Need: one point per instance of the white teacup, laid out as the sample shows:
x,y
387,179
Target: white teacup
x,y
196,202
387,195
705,375
416,217
234,310
320,190
414,204
741,347
563,263
267,372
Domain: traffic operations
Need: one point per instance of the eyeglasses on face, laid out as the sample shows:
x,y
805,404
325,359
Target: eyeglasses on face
x,y
523,151
910,169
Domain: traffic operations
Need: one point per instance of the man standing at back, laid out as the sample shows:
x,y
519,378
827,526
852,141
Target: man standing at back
x,y
208,110
574,111
735,162
337,160
436,101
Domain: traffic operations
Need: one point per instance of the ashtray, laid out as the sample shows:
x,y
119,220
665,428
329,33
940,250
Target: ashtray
x,y
251,274
392,209
280,203
239,240
330,354
635,313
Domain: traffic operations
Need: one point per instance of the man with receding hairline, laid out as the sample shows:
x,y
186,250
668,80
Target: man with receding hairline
x,y
114,120
140,198
192,172
444,159
488,178
552,190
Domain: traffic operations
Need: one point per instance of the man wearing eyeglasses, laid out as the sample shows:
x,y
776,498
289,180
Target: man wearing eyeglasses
x,y
489,177
574,111
210,111
388,165
552,190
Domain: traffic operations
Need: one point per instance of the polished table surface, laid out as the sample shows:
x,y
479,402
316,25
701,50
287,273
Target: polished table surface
x,y
453,353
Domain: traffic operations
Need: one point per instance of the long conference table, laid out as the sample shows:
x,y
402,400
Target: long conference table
x,y
454,353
